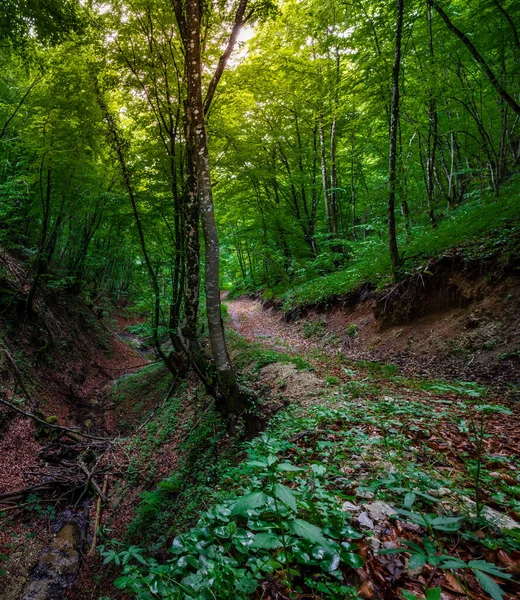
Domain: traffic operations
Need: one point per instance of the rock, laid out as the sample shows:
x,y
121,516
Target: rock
x,y
374,543
365,520
349,507
492,516
379,511
365,494
440,493
57,566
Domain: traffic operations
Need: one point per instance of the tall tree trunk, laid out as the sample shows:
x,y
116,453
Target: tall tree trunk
x,y
486,69
326,200
231,397
433,126
394,121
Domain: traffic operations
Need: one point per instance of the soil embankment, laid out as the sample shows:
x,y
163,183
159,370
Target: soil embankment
x,y
57,364
455,319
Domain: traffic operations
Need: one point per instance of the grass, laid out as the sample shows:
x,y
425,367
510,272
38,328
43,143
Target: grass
x,y
482,228
254,355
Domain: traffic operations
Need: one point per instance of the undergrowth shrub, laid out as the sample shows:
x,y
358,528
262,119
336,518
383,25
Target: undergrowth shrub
x,y
285,521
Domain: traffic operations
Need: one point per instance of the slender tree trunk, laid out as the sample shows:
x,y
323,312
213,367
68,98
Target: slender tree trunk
x,y
433,127
324,178
394,121
486,69
231,398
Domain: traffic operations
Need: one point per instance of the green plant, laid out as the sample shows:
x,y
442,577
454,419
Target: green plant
x,y
314,329
431,554
331,380
351,330
286,524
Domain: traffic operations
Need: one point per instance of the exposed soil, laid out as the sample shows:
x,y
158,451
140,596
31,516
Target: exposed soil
x,y
455,320
66,358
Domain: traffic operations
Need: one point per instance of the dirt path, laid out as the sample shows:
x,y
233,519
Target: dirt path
x,y
257,324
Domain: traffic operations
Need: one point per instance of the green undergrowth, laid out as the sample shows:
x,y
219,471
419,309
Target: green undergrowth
x,y
175,501
134,394
285,518
254,355
486,227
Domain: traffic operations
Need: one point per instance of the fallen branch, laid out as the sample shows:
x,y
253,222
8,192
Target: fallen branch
x,y
97,517
19,378
52,425
16,506
91,480
154,411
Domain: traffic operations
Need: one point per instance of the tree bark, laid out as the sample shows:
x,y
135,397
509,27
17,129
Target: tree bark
x,y
486,69
231,397
394,121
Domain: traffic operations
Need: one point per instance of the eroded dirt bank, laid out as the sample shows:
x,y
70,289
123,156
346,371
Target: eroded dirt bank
x,y
453,319
57,364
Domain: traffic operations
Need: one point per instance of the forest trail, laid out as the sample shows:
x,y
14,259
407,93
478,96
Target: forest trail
x,y
257,324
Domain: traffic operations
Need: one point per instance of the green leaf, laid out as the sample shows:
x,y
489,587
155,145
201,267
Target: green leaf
x,y
353,560
482,565
246,585
408,595
446,523
266,541
288,467
256,463
307,531
416,560
319,469
433,593
409,499
450,562
249,502
489,586
286,495
329,560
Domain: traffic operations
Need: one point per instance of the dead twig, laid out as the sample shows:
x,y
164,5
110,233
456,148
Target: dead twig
x,y
90,479
51,425
97,517
19,378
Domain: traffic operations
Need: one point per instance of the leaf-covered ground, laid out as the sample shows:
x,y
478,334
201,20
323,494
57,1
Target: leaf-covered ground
x,y
366,484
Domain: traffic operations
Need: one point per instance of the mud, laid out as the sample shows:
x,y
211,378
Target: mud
x,y
59,562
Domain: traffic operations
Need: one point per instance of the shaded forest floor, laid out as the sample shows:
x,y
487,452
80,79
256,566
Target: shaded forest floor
x,y
404,447
399,449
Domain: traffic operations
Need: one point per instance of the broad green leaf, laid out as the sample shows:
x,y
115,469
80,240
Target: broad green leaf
x,y
433,593
249,502
256,463
286,495
266,541
409,499
353,560
307,531
319,469
329,560
288,467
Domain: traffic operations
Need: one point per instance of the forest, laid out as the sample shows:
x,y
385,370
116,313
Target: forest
x,y
259,299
